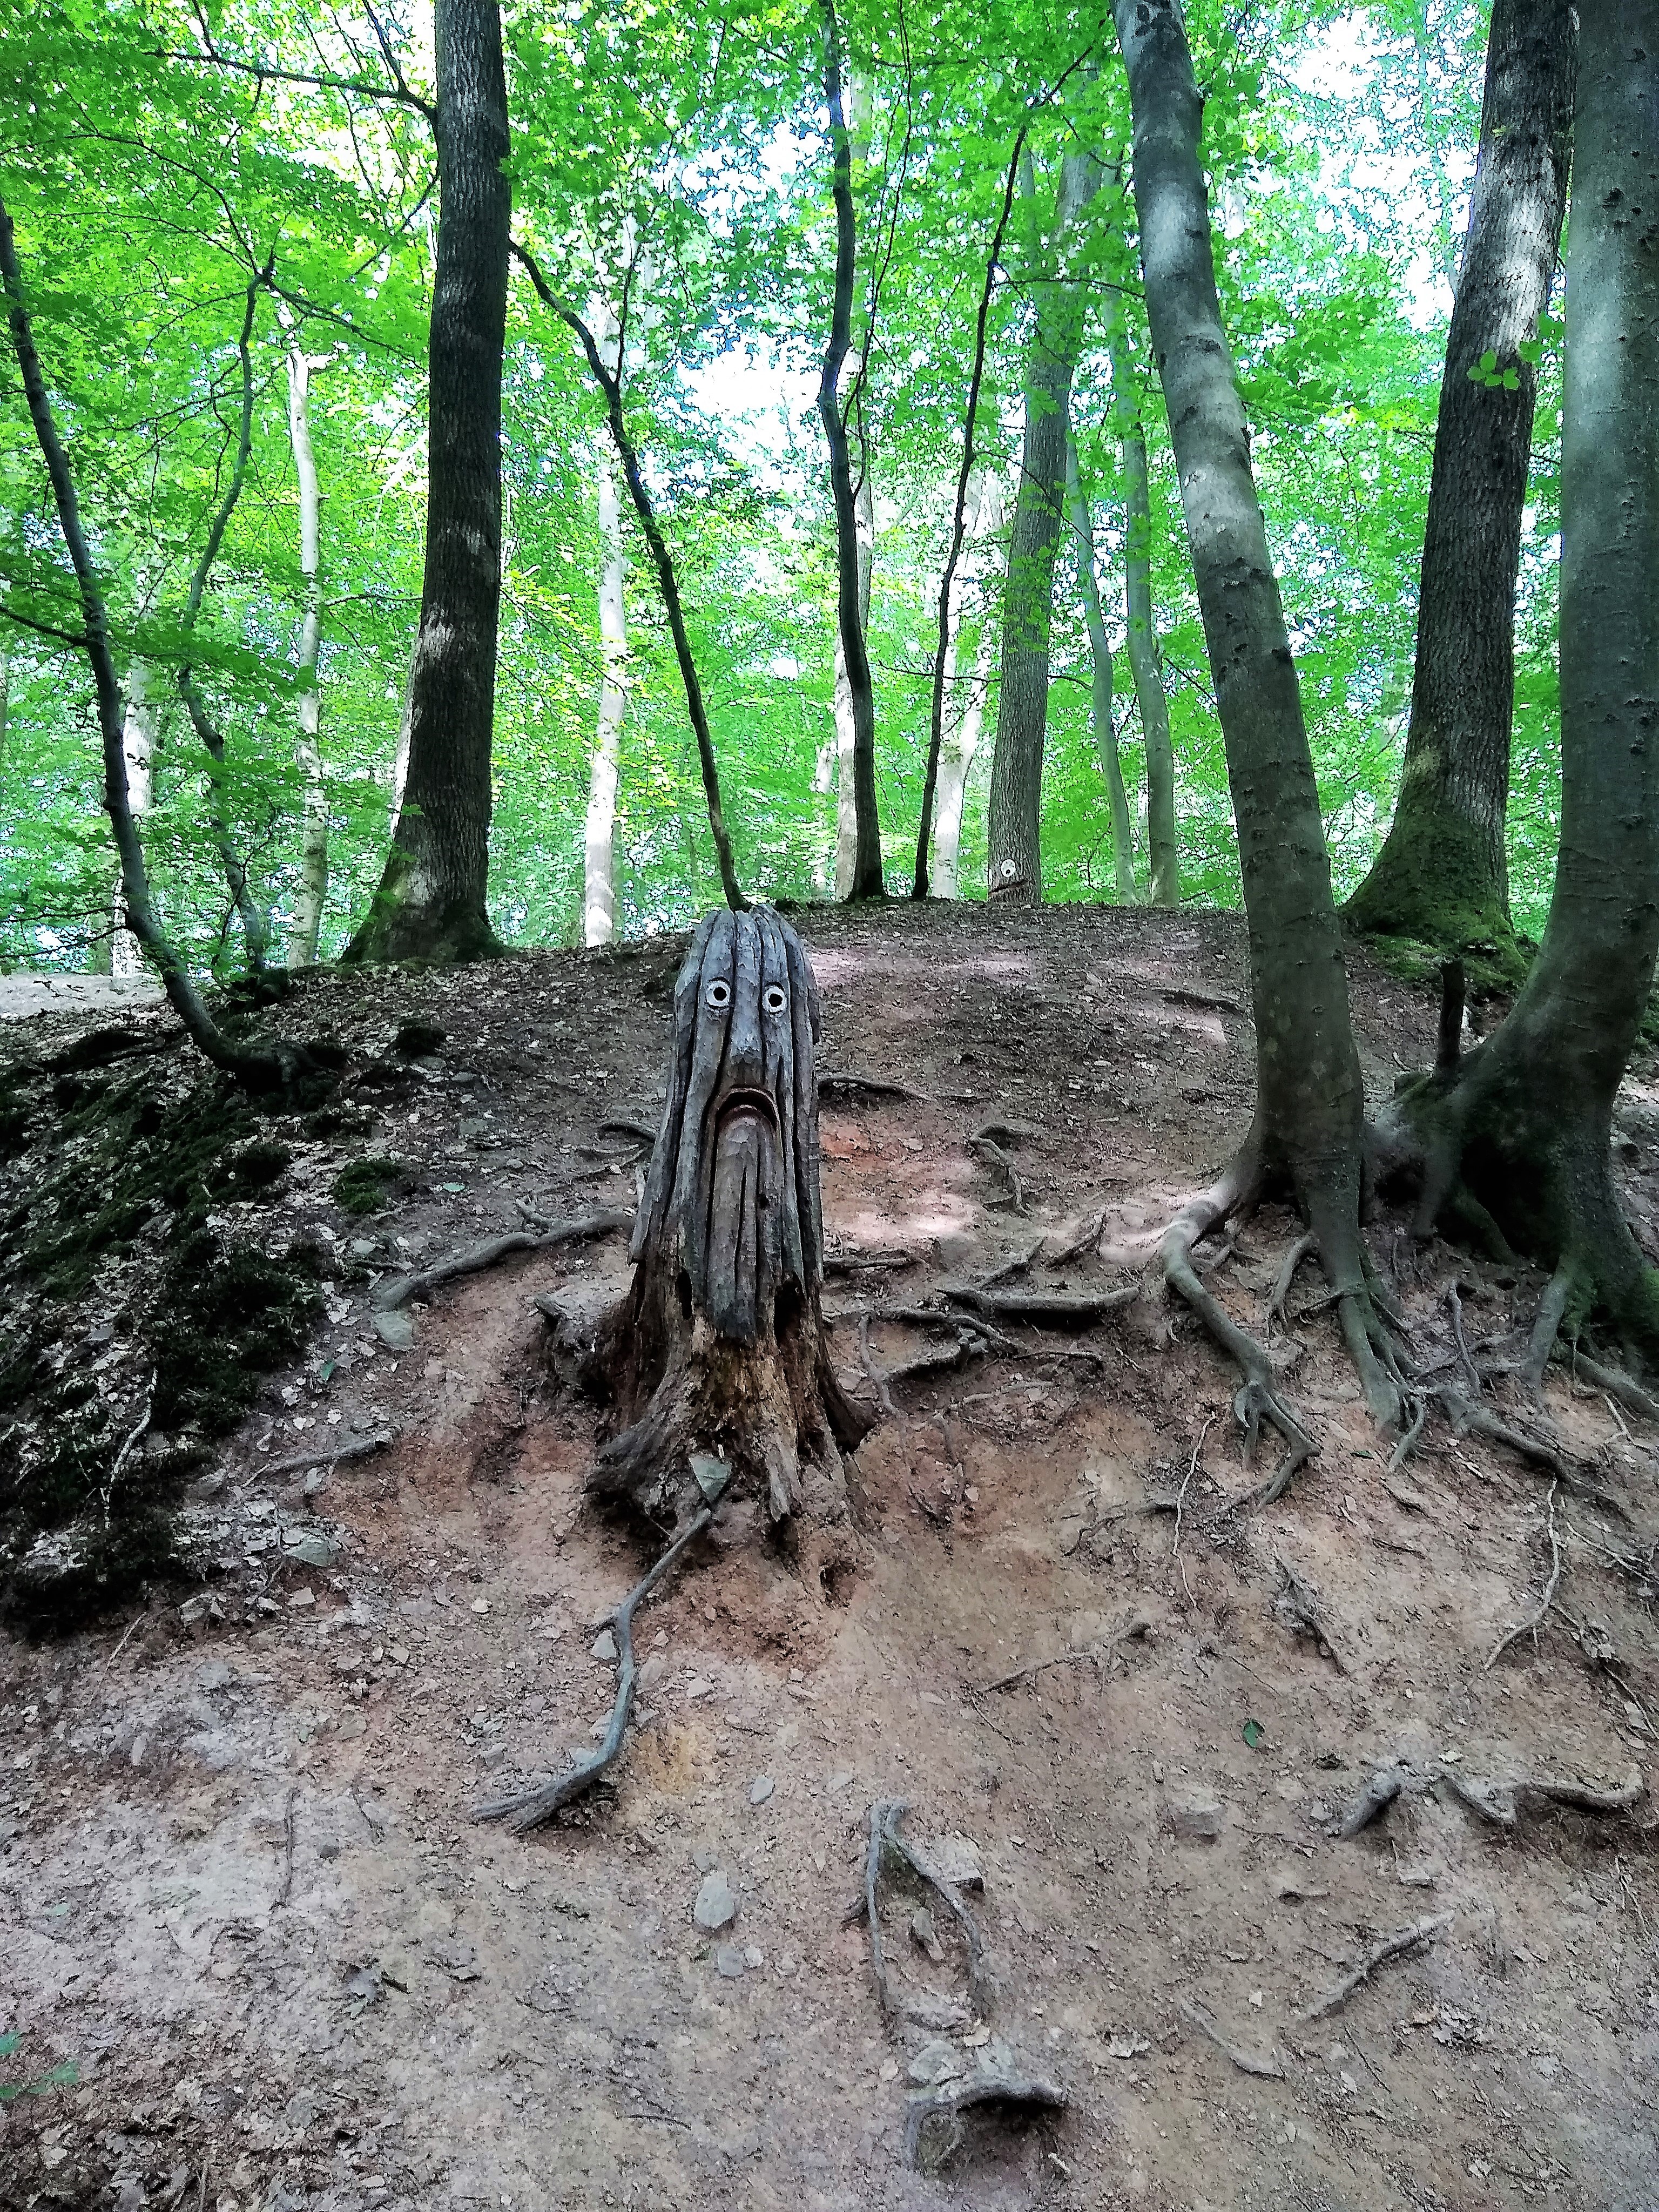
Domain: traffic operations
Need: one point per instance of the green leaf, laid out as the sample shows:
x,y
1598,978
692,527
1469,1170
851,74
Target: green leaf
x,y
1512,380
1253,1733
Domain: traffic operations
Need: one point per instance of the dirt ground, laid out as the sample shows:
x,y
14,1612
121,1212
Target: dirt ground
x,y
241,1890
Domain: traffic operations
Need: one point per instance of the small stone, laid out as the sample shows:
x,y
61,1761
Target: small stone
x,y
955,1859
698,1686
214,1674
604,1645
836,1784
716,1907
761,1789
924,1935
753,1955
301,1599
481,1605
1194,1821
888,2070
703,1861
311,1548
395,1330
711,1475
728,1961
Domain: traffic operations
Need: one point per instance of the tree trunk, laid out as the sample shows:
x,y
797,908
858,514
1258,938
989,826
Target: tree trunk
x,y
1101,727
964,716
1441,877
1016,815
314,838
1145,661
867,880
139,723
1309,1124
718,1353
1524,1122
847,812
431,902
599,882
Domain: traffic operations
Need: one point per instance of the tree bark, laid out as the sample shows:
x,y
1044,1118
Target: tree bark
x,y
1442,876
1016,810
867,881
260,1070
964,709
599,880
313,837
1308,1125
1103,728
140,718
1145,661
431,902
1523,1123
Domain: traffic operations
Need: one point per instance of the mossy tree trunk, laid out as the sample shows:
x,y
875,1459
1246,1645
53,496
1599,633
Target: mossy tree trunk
x,y
1523,1123
430,903
1442,876
1308,1132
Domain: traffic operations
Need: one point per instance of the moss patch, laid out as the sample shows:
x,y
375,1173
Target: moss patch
x,y
364,1186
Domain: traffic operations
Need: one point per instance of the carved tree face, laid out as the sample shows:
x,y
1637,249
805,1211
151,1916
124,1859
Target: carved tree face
x,y
734,1178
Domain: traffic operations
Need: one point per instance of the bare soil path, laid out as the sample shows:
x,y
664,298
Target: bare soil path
x,y
239,1886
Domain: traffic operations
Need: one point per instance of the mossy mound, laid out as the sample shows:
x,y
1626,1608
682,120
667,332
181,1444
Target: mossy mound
x,y
364,1185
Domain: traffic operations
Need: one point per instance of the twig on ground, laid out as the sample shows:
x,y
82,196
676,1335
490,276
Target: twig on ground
x,y
131,1631
372,1821
646,1136
886,1842
1297,1608
1265,2067
1540,1613
1081,1243
327,1456
848,1083
1391,1947
1138,1625
288,1847
130,1444
1181,1501
395,1291
528,1808
1465,1360
1016,1266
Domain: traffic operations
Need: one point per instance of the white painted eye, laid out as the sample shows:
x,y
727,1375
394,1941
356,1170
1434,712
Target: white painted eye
x,y
719,995
777,997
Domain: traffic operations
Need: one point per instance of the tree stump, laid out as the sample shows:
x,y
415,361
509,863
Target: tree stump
x,y
716,1360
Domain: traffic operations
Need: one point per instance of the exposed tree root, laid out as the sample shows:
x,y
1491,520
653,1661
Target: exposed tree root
x,y
853,1263
932,2125
1392,1947
1138,1625
328,1456
1266,2066
1041,1308
888,1851
1468,1418
1297,1608
394,1290
528,1808
1084,1240
1305,1247
1018,1265
847,1083
1504,1804
1540,1613
1612,1380
1000,1160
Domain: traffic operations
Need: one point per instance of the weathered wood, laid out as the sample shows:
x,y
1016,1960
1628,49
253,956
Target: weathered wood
x,y
718,1349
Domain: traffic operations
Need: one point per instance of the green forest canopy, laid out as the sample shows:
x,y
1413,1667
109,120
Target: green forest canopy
x,y
161,195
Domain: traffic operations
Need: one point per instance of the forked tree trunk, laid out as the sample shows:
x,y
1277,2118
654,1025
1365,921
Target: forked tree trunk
x,y
1145,661
1308,1125
1441,877
1524,1122
867,881
431,900
313,837
1016,809
718,1353
599,875
1103,728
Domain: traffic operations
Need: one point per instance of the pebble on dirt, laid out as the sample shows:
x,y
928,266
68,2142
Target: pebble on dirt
x,y
716,1907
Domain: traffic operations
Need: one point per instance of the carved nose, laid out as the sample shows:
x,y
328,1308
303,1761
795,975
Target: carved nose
x,y
745,1065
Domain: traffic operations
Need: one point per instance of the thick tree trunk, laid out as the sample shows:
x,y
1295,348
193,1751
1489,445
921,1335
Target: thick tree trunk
x,y
431,902
1308,1125
313,837
1524,1122
260,1070
1103,728
963,702
717,1359
1442,876
867,879
600,878
1016,813
1145,661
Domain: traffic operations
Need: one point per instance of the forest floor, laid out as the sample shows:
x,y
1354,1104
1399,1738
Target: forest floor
x,y
241,1888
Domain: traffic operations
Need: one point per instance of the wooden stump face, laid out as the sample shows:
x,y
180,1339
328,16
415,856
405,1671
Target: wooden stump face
x,y
718,1349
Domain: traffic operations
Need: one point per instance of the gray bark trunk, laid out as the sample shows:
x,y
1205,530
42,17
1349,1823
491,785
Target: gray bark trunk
x,y
313,892
1103,728
599,880
964,718
431,902
1310,1103
847,812
1442,876
1016,813
1145,661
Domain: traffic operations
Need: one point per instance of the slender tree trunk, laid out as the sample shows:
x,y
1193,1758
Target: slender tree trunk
x,y
259,1069
867,881
599,881
847,811
140,719
1103,727
1309,1126
1524,1122
963,709
313,837
1145,661
1016,815
1442,876
431,902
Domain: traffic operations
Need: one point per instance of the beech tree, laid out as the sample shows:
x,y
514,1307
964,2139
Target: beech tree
x,y
1442,874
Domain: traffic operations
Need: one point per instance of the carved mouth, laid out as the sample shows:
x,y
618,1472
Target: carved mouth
x,y
759,1102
